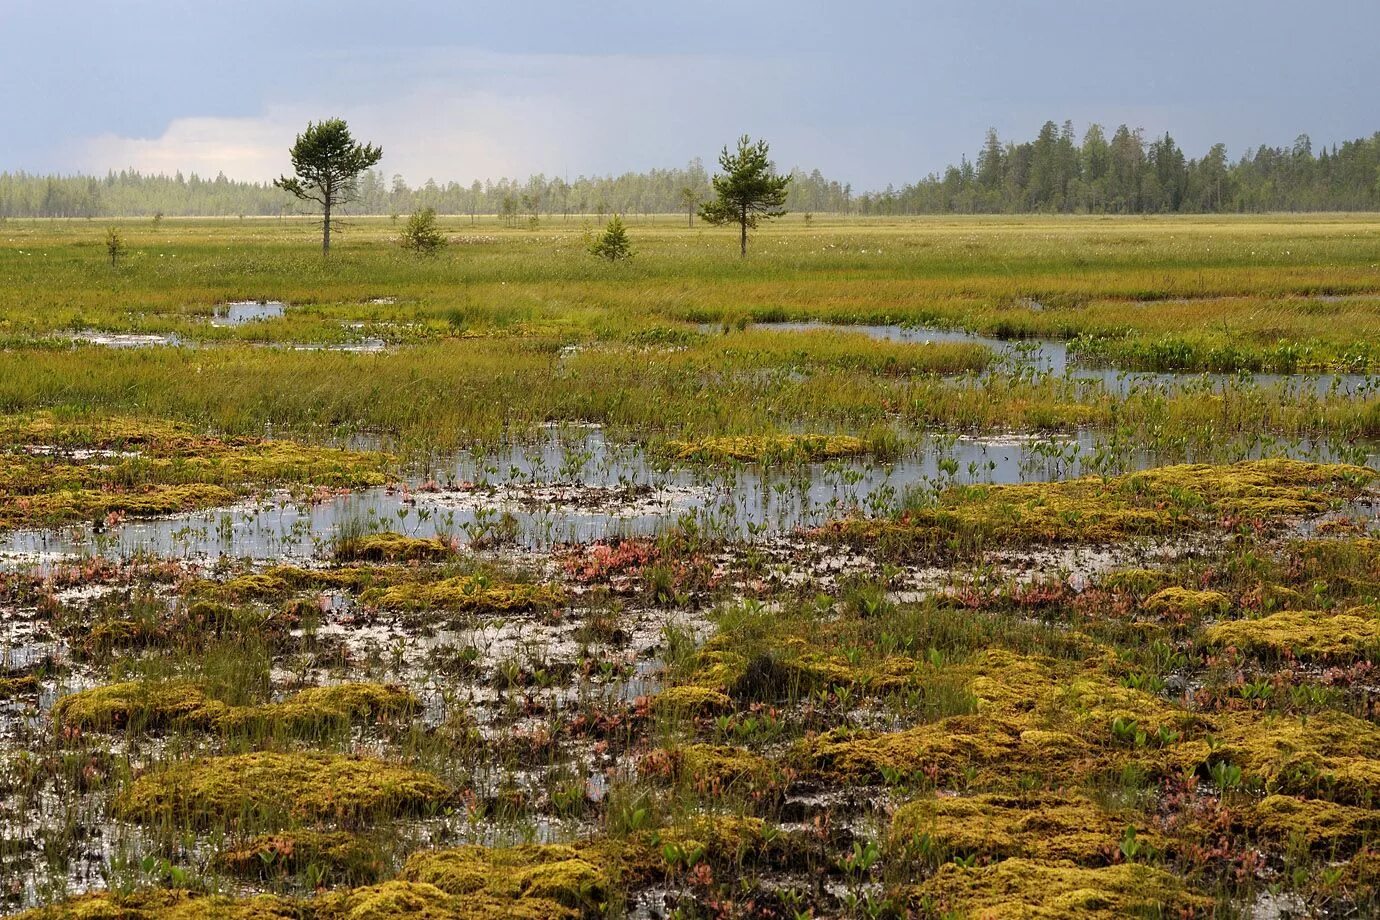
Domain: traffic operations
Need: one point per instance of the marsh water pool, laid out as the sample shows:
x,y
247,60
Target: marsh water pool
x,y
1054,356
576,485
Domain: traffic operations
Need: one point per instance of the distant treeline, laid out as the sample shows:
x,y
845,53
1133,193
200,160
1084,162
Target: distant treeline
x,y
1055,172
129,193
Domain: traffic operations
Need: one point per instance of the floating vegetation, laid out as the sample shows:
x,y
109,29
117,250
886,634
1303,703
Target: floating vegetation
x,y
765,449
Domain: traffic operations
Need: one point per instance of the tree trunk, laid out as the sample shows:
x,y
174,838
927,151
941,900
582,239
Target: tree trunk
x,y
742,239
326,229
690,217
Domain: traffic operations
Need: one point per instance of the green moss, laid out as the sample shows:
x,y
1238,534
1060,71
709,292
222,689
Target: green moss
x,y
1301,634
466,594
1046,827
153,704
393,547
270,788
1137,582
1321,825
1185,603
1025,888
768,448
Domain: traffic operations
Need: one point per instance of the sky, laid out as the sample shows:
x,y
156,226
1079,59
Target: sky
x,y
868,91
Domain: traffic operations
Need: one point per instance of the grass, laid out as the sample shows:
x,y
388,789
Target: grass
x,y
1127,692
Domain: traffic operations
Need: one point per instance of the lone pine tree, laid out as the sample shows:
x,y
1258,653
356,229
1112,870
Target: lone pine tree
x,y
326,163
747,191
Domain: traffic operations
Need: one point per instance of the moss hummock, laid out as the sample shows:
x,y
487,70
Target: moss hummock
x,y
1049,827
768,448
466,594
393,547
273,788
1301,634
153,705
1166,501
1027,888
574,878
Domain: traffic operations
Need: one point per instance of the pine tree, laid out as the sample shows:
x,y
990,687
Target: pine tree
x,y
421,235
613,243
327,163
747,192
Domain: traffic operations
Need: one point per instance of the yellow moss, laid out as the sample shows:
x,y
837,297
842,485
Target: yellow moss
x,y
420,901
1032,714
1025,888
1325,752
154,704
96,504
691,700
390,899
145,703
1053,697
950,748
1321,825
270,787
766,448
466,594
726,766
173,470
166,904
393,547
347,856
554,873
1045,827
255,586
723,839
1185,602
1302,634
17,686
792,669
1163,501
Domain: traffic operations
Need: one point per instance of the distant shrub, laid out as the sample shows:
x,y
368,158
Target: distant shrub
x,y
114,245
613,243
421,235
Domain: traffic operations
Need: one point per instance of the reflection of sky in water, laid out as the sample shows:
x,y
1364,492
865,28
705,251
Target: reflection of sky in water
x,y
742,501
1051,356
240,312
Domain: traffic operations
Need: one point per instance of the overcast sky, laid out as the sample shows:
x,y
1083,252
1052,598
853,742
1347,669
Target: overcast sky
x,y
869,91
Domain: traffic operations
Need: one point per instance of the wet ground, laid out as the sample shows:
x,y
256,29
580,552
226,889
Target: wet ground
x,y
577,486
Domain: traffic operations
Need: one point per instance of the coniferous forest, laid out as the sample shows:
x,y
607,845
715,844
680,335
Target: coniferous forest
x,y
1123,172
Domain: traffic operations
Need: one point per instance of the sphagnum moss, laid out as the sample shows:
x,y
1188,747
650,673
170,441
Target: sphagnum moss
x,y
1047,827
1158,502
276,788
465,594
153,705
1026,888
1307,634
764,448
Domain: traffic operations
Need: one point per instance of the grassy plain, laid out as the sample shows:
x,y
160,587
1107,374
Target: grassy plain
x,y
1137,693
